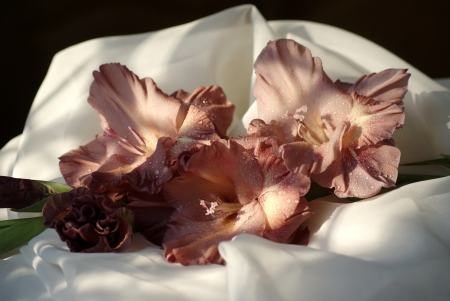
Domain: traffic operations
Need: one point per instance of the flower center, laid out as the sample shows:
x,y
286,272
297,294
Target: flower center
x,y
303,131
141,149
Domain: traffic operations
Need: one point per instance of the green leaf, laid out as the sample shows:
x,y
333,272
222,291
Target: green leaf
x,y
15,233
55,187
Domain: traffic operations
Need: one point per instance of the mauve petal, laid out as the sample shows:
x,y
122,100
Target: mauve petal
x,y
184,193
389,85
287,78
58,206
282,196
373,168
280,199
187,241
371,121
288,232
239,171
99,165
197,130
213,102
154,172
302,157
286,130
197,244
125,101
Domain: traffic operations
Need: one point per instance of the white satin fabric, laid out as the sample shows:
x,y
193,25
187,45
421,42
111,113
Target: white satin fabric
x,y
391,247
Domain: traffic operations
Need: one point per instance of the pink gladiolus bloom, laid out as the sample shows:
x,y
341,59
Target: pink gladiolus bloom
x,y
225,189
140,124
338,133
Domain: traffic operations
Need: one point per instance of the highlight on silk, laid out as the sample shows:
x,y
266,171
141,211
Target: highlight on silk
x,y
165,166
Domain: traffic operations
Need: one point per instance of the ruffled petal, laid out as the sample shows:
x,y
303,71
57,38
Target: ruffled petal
x,y
137,118
197,243
286,130
302,157
288,78
196,130
371,121
282,200
239,171
362,172
213,102
154,172
136,109
389,85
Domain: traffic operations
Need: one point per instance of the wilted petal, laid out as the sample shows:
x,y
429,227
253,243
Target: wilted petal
x,y
87,222
371,121
362,172
287,78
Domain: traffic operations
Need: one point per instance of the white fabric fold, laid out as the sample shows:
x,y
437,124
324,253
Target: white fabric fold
x,y
391,247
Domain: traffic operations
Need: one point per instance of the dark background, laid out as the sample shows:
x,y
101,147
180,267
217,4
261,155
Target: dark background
x,y
33,31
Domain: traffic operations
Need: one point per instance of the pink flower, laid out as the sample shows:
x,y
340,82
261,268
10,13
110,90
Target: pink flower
x,y
225,189
338,133
140,124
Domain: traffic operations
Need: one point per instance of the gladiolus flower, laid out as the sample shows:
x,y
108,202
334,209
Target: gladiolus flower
x,y
140,124
225,189
338,133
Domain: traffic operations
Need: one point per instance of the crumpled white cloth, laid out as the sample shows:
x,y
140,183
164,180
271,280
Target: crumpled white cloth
x,y
391,247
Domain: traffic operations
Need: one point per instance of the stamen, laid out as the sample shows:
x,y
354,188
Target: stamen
x,y
126,145
298,130
209,211
305,135
352,151
136,135
111,133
